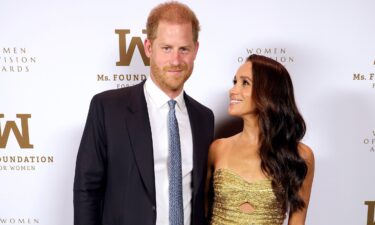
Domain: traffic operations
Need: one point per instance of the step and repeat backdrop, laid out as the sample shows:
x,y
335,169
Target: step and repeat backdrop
x,y
55,55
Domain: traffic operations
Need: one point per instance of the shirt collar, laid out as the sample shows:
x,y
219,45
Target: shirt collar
x,y
159,98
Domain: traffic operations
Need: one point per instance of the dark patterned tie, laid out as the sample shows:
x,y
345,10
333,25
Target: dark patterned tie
x,y
176,211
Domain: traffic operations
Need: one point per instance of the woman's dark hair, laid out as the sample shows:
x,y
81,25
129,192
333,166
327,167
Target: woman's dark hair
x,y
281,129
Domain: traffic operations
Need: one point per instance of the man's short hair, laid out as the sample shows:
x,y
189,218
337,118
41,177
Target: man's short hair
x,y
173,12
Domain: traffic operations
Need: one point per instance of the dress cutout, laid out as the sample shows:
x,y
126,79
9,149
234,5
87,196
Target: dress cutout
x,y
231,191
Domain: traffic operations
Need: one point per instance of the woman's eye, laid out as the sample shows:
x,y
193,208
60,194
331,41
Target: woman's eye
x,y
234,82
245,83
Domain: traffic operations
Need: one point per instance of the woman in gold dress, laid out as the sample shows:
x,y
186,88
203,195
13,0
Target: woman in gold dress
x,y
263,173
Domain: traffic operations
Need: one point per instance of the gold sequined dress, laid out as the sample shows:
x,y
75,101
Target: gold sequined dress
x,y
231,191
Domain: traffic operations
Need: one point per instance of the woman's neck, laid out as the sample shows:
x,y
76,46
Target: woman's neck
x,y
250,132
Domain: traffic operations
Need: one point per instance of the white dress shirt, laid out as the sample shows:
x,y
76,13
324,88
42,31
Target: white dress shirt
x,y
157,105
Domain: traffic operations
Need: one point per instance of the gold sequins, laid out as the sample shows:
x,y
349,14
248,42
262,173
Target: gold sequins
x,y
231,191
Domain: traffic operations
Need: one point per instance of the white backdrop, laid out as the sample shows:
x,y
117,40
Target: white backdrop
x,y
55,55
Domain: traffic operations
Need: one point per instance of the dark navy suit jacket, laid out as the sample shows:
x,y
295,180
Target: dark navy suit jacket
x,y
114,180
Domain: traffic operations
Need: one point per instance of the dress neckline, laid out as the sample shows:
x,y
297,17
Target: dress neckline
x,y
234,173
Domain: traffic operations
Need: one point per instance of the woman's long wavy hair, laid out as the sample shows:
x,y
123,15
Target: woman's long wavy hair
x,y
281,129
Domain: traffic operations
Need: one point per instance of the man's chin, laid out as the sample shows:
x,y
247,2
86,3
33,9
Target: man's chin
x,y
175,88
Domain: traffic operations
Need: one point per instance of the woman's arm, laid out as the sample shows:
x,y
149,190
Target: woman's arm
x,y
299,217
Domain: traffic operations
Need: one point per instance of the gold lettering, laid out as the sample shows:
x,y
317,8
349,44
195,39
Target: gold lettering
x,y
127,55
102,77
358,76
23,138
370,212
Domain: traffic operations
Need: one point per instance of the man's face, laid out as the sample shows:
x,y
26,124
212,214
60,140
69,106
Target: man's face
x,y
172,54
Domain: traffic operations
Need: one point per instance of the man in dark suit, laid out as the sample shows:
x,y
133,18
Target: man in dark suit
x,y
134,167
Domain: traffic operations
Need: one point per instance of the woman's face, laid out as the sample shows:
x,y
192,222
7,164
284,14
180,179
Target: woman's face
x,y
240,94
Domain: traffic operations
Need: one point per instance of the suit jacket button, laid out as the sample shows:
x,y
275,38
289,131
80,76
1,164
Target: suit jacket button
x,y
153,208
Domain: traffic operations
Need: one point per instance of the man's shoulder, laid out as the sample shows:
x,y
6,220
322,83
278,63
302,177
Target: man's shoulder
x,y
191,102
119,94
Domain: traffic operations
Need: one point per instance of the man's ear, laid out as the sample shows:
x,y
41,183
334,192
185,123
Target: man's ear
x,y
196,49
148,49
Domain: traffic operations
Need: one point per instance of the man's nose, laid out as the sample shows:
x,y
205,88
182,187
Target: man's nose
x,y
175,58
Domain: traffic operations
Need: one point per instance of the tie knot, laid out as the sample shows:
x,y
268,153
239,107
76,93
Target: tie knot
x,y
171,104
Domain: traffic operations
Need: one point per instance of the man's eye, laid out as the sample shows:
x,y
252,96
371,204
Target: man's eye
x,y
166,49
184,50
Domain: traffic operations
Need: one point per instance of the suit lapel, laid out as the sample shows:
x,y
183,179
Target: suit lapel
x,y
198,158
138,125
139,130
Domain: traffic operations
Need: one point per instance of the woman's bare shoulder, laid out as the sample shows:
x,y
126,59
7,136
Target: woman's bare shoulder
x,y
219,146
306,153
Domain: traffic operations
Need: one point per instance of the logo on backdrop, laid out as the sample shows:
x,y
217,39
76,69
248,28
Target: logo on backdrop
x,y
22,136
20,130
129,63
279,54
367,77
16,60
370,212
126,54
370,142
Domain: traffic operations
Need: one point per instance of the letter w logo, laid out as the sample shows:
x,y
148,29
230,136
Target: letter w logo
x,y
23,138
127,55
370,212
